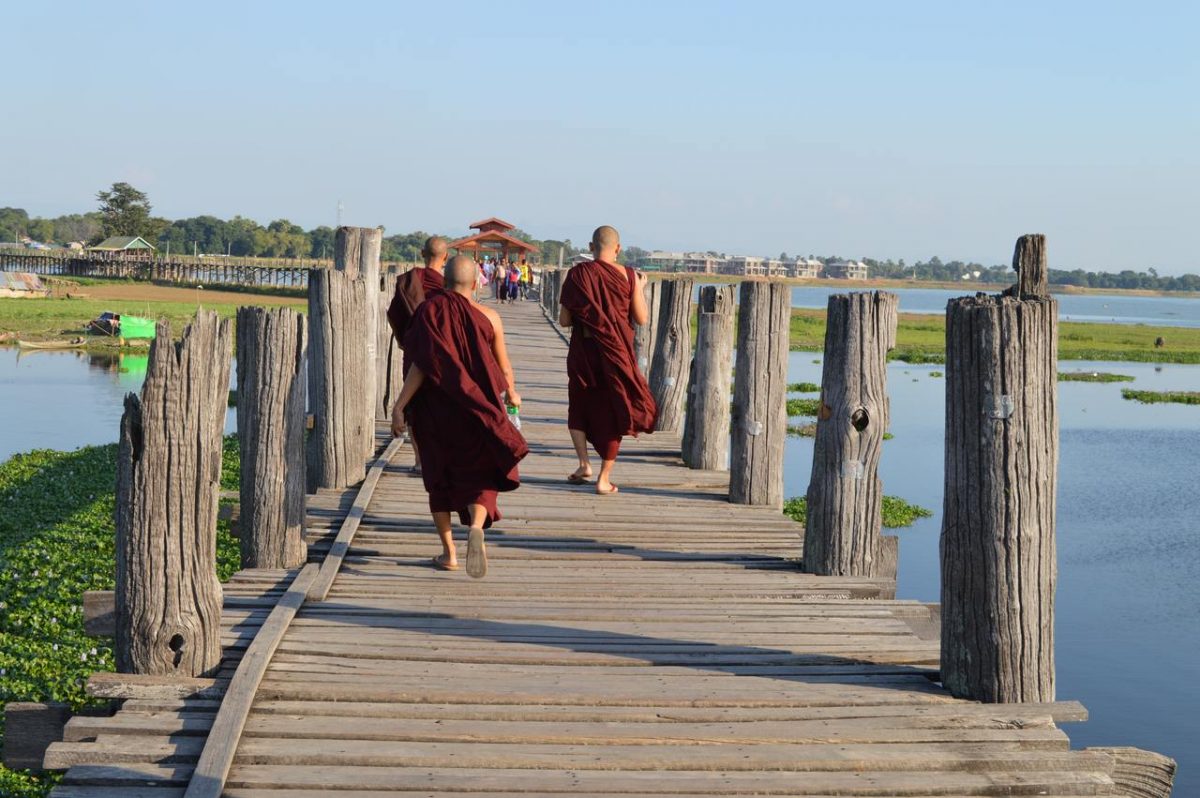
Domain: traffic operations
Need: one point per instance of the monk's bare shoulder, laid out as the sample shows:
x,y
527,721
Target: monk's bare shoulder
x,y
492,316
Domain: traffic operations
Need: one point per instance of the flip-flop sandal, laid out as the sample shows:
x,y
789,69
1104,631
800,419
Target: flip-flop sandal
x,y
476,554
610,492
439,562
577,479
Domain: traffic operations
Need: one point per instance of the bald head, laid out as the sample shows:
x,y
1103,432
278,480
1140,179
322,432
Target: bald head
x,y
606,243
461,274
434,251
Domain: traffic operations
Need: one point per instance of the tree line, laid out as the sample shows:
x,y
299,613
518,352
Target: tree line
x,y
126,211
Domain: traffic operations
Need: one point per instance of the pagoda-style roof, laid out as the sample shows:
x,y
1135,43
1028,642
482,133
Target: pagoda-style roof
x,y
491,223
497,238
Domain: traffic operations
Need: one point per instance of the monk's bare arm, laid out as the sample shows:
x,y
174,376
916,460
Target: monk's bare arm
x,y
500,350
564,317
638,312
412,384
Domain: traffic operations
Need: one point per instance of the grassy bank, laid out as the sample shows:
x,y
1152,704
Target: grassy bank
x,y
922,339
56,541
61,318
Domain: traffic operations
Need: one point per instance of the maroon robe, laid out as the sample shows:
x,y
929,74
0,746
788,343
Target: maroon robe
x,y
411,289
608,395
469,448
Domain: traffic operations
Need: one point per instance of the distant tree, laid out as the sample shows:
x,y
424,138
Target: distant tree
x,y
783,256
13,222
321,239
125,211
77,227
40,230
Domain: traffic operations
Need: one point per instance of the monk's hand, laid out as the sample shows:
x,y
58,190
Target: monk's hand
x,y
398,425
640,278
513,399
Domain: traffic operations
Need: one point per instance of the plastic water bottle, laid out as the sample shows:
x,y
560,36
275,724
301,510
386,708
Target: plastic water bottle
x,y
514,416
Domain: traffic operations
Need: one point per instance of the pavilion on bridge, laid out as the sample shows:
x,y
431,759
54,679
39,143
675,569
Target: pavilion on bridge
x,y
495,242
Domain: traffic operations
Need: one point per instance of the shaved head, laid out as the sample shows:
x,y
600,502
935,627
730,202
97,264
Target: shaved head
x,y
461,274
605,237
434,250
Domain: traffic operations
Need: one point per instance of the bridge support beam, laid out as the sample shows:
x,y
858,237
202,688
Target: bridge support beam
x,y
706,427
644,334
998,547
758,426
845,495
356,252
168,599
271,350
672,362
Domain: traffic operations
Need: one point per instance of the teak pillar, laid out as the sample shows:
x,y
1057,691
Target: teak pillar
x,y
356,253
271,350
998,547
845,496
758,428
338,366
168,599
672,353
644,334
388,374
706,427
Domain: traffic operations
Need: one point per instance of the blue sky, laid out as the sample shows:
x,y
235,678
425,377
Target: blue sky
x,y
865,129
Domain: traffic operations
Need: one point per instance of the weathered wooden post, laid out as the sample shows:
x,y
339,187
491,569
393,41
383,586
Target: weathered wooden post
x,y
706,426
338,365
644,334
168,599
998,548
388,375
672,362
845,495
271,350
758,428
356,252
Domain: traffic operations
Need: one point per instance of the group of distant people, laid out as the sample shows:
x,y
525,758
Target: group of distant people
x,y
460,389
507,279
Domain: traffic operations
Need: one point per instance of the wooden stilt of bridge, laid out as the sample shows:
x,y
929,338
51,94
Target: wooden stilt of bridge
x,y
662,641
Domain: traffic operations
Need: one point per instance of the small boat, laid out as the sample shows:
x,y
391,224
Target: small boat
x,y
74,343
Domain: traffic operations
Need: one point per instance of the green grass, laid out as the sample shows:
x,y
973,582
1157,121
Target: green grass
x,y
56,541
1159,397
803,407
1092,376
897,512
804,387
922,339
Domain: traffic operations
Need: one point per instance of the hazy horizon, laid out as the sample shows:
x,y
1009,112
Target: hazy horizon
x,y
883,131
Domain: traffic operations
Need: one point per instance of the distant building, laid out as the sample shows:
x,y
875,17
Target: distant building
x,y
846,270
745,266
661,261
75,246
21,284
122,244
806,268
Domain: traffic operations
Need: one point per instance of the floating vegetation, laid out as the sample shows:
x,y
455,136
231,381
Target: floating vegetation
x,y
801,430
897,513
56,541
936,374
1159,397
804,387
1092,376
803,407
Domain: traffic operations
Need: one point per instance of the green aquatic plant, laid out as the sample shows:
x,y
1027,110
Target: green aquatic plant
x,y
804,387
1159,397
897,512
1092,376
803,407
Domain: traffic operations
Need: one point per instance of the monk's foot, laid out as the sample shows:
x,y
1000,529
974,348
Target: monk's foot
x,y
607,490
476,554
580,475
445,562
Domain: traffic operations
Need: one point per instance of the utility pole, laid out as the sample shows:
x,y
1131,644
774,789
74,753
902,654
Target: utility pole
x,y
339,213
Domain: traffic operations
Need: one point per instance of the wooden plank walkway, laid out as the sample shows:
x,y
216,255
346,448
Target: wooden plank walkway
x,y
657,642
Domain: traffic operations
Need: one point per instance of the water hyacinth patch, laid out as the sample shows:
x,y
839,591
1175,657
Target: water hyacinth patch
x,y
897,512
57,541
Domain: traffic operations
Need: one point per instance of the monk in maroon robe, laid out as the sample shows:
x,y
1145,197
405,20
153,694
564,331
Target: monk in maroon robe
x,y
411,289
608,395
456,394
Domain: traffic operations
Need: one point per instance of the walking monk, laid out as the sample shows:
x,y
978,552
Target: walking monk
x,y
411,289
455,394
608,396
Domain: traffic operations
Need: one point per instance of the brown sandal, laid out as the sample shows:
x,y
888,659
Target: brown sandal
x,y
439,562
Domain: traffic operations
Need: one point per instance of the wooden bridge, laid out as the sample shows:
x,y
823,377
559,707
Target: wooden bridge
x,y
662,641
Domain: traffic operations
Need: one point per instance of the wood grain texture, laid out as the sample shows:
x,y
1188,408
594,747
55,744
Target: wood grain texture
x,y
758,427
672,362
845,494
338,364
644,335
389,373
1029,261
272,347
706,425
356,254
998,542
168,599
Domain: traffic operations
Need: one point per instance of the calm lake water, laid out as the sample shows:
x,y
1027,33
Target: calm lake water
x,y
1128,619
